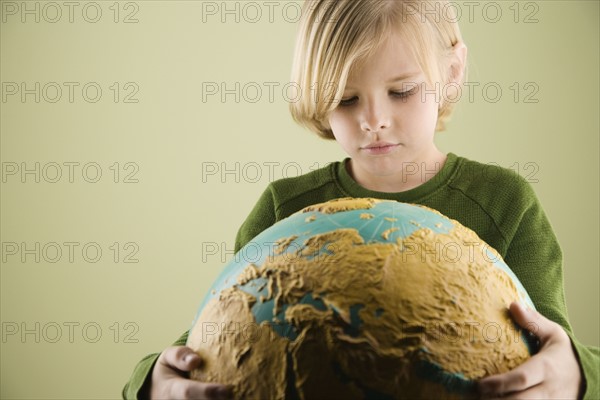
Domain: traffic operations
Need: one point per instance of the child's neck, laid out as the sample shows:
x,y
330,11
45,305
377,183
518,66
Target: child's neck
x,y
411,175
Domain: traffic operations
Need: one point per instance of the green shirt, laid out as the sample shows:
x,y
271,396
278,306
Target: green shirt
x,y
497,203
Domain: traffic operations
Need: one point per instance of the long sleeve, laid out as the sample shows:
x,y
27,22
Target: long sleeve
x,y
262,216
138,384
536,258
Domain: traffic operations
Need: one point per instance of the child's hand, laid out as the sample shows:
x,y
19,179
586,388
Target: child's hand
x,y
552,373
169,379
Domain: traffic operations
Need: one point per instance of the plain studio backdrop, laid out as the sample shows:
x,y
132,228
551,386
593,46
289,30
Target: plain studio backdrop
x,y
136,137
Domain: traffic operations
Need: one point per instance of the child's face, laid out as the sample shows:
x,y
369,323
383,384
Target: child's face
x,y
379,129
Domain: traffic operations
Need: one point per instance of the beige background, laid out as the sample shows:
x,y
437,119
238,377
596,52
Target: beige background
x,y
173,138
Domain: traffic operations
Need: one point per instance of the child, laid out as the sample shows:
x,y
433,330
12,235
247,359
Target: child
x,y
380,77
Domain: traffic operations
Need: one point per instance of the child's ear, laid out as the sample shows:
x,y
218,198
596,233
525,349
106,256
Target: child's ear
x,y
458,63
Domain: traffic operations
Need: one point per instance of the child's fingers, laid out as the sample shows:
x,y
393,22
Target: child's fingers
x,y
535,322
536,392
169,380
180,357
525,376
186,389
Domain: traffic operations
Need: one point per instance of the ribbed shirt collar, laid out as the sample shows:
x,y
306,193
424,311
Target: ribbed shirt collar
x,y
353,189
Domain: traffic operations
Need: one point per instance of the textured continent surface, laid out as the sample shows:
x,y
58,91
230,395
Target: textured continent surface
x,y
402,303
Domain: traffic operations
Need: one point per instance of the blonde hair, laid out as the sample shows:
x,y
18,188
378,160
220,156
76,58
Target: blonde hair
x,y
335,35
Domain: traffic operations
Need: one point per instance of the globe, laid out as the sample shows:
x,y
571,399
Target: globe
x,y
360,298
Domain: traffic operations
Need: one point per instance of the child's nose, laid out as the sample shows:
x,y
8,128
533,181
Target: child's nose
x,y
375,117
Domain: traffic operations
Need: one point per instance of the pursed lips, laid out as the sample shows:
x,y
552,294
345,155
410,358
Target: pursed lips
x,y
379,147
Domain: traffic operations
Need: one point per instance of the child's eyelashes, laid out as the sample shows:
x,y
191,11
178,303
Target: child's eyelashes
x,y
406,93
348,102
395,94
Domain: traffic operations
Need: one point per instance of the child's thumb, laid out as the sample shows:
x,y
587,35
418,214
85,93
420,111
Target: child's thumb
x,y
532,321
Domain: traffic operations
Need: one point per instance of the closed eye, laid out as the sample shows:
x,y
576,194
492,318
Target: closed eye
x,y
399,95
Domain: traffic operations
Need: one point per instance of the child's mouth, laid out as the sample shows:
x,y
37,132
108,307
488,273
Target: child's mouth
x,y
380,148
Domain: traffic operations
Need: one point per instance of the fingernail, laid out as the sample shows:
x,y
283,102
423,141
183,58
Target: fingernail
x,y
189,358
526,309
523,308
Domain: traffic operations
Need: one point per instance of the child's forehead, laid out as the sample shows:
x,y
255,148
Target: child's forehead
x,y
389,63
394,47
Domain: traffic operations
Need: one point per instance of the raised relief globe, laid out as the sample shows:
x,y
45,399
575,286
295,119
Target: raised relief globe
x,y
360,298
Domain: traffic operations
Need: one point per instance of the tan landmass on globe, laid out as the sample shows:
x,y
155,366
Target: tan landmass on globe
x,y
429,296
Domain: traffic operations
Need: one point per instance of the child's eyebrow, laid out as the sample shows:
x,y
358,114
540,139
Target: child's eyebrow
x,y
403,77
399,78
